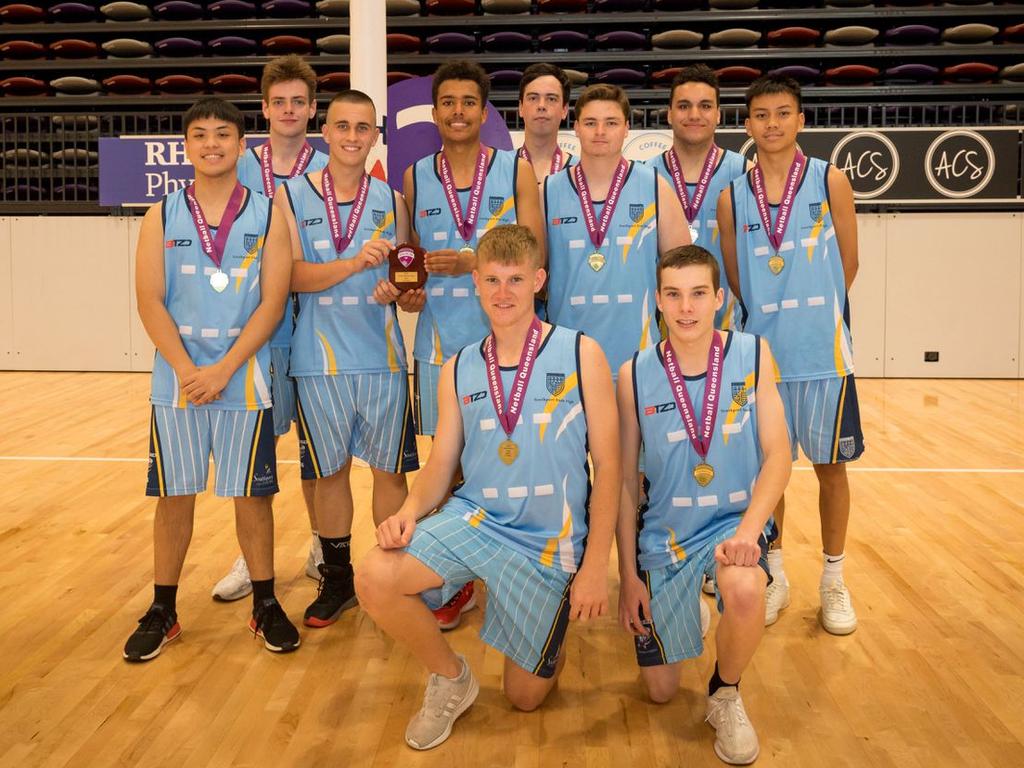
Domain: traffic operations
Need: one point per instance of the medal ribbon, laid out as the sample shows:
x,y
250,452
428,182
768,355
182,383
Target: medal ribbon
x,y
691,207
709,411
466,225
342,239
214,246
509,417
267,165
556,158
776,233
598,229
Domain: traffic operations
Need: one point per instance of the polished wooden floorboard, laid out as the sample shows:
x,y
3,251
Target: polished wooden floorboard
x,y
932,677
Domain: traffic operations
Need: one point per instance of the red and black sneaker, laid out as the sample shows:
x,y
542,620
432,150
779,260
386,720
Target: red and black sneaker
x,y
335,593
156,629
270,622
449,615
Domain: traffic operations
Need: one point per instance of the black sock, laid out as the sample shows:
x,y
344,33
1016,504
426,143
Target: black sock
x,y
717,682
166,594
262,590
336,551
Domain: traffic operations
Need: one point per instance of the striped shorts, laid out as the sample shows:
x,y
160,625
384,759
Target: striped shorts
x,y
527,603
823,417
282,390
425,379
355,414
182,439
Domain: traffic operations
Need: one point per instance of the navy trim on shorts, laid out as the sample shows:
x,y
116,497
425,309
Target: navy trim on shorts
x,y
847,424
548,663
156,485
309,462
262,457
650,651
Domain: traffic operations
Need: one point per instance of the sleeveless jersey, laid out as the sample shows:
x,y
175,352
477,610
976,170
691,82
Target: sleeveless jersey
x,y
209,322
452,316
614,305
342,329
680,515
731,165
538,504
803,311
250,174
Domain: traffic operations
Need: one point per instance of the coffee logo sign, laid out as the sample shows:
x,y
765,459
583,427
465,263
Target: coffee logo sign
x,y
870,160
959,163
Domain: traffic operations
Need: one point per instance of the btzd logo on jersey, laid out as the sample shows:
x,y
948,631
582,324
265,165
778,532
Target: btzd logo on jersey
x,y
467,399
312,222
564,220
430,212
752,227
184,243
650,410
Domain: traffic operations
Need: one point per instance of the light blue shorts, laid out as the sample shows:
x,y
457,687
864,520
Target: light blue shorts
x,y
823,417
282,390
425,379
527,603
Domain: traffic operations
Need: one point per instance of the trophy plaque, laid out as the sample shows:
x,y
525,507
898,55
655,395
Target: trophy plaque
x,y
406,269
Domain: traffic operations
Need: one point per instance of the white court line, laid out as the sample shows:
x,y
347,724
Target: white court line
x,y
907,470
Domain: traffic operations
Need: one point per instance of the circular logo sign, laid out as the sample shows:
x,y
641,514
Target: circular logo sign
x,y
959,163
870,161
643,145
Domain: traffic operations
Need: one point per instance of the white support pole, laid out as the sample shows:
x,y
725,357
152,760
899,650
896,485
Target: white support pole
x,y
368,51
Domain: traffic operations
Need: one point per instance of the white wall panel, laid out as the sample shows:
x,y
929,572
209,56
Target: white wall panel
x,y
142,348
867,298
6,296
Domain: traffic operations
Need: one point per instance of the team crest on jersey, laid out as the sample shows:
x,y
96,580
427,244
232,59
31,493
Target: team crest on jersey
x,y
847,447
739,393
378,217
249,242
494,203
814,209
555,383
636,211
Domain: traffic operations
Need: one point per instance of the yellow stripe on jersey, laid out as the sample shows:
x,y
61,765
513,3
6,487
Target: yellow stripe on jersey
x,y
438,354
645,332
714,234
674,547
816,230
389,329
250,257
250,384
157,457
547,557
648,214
554,401
734,407
496,218
840,349
252,452
379,231
330,361
476,518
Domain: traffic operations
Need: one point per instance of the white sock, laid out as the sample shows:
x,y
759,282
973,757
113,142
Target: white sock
x,y
775,566
833,570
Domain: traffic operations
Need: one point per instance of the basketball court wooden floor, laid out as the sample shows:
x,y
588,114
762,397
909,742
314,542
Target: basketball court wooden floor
x,y
932,677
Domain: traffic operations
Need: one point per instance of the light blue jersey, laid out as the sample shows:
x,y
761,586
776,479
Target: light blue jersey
x,y
342,329
538,503
614,305
800,306
680,515
209,322
452,317
730,166
250,174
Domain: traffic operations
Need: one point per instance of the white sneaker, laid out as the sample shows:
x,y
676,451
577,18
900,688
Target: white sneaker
x,y
776,597
837,615
735,739
315,559
705,617
443,702
708,587
236,584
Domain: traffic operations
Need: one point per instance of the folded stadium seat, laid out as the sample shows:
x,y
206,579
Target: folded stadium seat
x,y
970,72
618,6
398,77
506,77
851,74
663,77
286,9
232,9
737,75
677,39
127,48
73,85
127,85
449,7
402,43
335,44
73,48
677,5
561,6
505,6
848,3
21,13
1013,73
282,44
333,8
563,40
232,45
912,34
178,46
968,2
20,85
22,49
71,13
76,190
734,38
123,11
907,3
183,84
799,72
576,77
451,42
335,82
621,40
622,76
233,82
178,10
88,123
24,190
1014,34
507,42
24,156
661,119
910,74
732,5
969,34
851,35
76,156
793,37
403,7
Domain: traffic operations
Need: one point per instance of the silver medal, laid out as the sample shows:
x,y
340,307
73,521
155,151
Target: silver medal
x,y
693,235
219,281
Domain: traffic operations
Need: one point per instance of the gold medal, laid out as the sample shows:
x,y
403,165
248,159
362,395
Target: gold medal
x,y
467,250
508,451
596,261
703,473
776,264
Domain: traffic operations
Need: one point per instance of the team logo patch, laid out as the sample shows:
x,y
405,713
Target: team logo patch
x,y
752,227
563,220
378,217
250,241
814,209
739,393
555,383
179,243
430,212
636,210
847,447
494,203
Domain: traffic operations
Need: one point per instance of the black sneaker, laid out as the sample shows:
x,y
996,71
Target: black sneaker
x,y
270,622
335,593
157,628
